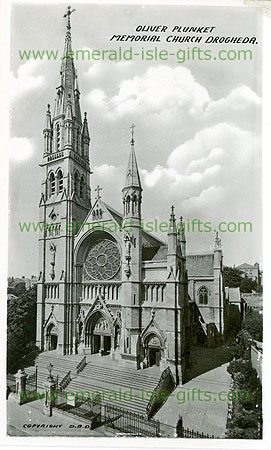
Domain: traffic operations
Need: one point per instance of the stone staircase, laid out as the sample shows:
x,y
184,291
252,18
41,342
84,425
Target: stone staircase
x,y
61,366
100,376
122,387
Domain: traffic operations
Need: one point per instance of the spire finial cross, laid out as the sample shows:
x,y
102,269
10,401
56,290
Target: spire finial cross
x,y
132,128
98,189
68,15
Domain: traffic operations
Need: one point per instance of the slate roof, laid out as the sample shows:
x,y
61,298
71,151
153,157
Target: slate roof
x,y
200,265
246,266
233,294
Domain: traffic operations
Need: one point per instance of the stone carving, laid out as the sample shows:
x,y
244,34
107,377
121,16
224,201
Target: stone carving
x,y
101,325
128,243
52,248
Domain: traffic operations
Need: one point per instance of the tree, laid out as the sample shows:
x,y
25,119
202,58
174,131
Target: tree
x,y
232,277
253,324
247,285
21,328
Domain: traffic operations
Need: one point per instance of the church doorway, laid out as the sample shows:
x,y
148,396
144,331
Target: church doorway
x,y
154,356
153,351
52,337
98,335
96,343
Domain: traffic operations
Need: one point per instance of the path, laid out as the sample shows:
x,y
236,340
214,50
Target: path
x,y
206,416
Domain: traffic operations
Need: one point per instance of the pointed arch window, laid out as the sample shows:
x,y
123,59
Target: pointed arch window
x,y
82,184
203,295
52,184
59,181
128,199
76,182
134,203
57,137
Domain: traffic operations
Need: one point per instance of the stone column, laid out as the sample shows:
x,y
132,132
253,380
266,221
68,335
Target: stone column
x,y
49,391
21,377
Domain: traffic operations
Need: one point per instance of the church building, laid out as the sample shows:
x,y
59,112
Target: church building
x,y
105,285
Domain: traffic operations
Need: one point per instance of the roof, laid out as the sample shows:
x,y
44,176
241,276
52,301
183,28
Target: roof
x,y
246,266
200,265
161,254
233,294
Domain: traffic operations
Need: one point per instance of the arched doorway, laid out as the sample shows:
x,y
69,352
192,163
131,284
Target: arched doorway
x,y
153,350
52,337
98,335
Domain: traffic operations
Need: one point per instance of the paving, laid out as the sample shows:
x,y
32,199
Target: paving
x,y
201,411
28,420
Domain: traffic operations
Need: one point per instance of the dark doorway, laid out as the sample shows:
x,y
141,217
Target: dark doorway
x,y
96,343
53,341
154,356
107,344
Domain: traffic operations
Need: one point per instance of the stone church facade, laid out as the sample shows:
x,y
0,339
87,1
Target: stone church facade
x,y
105,285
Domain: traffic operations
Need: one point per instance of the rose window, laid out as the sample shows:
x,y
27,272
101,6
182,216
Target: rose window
x,y
103,260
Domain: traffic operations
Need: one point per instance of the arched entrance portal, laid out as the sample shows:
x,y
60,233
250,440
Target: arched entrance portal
x,y
52,337
153,350
99,335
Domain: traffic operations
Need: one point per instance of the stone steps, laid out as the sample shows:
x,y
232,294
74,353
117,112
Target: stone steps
x,y
114,395
102,376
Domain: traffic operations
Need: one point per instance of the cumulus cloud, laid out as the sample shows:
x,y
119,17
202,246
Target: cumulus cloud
x,y
215,165
20,148
157,91
26,79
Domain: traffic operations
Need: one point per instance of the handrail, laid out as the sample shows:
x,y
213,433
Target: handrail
x,y
165,373
81,365
65,381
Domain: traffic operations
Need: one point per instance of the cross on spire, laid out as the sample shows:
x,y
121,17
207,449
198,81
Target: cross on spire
x,y
132,128
68,15
98,189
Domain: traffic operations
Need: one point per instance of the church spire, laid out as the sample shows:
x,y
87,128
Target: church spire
x,y
132,174
67,88
132,190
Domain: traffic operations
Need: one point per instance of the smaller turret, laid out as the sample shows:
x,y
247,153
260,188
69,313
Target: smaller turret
x,y
181,236
47,133
85,138
132,191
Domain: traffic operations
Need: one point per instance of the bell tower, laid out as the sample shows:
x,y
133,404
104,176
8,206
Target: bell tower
x,y
65,203
132,259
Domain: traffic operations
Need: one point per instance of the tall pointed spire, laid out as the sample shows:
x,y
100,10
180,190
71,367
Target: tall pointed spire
x,y
68,87
132,174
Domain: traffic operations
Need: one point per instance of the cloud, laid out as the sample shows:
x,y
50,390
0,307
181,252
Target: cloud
x,y
20,148
26,79
208,170
158,91
242,105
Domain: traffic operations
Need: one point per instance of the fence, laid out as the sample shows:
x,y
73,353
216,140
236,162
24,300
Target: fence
x,y
113,417
131,423
87,409
31,382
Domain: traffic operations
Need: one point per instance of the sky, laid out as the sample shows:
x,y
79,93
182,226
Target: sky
x,y
198,124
